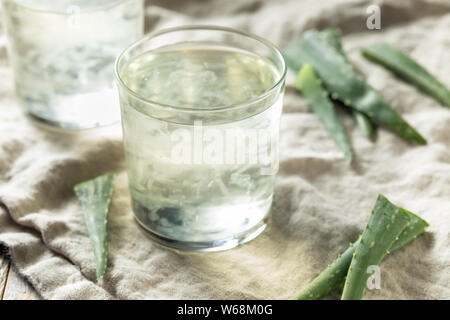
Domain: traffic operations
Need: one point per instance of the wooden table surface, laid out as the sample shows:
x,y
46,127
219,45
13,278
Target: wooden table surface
x,y
12,286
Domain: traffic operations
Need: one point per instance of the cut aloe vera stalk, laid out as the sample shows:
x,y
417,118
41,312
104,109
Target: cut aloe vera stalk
x,y
95,196
344,84
334,275
385,225
405,67
311,88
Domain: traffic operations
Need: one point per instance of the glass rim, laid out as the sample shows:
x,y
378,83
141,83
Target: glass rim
x,y
152,35
113,4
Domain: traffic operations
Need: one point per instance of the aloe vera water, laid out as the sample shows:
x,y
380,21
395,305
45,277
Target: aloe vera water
x,y
201,149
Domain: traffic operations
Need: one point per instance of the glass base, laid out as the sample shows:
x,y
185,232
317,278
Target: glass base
x,y
71,126
205,246
76,111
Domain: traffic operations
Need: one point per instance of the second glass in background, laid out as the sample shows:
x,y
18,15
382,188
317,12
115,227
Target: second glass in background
x,y
63,52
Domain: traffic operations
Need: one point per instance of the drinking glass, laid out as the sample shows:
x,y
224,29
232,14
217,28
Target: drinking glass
x,y
62,53
201,108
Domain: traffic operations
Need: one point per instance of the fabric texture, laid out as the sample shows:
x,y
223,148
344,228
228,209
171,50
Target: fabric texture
x,y
321,203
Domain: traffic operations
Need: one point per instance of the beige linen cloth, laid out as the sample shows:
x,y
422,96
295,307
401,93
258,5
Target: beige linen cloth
x,y
321,203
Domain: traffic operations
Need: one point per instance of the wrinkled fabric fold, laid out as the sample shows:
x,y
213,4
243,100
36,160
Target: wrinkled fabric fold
x,y
321,203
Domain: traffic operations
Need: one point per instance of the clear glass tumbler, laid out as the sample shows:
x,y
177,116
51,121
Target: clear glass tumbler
x,y
201,108
63,52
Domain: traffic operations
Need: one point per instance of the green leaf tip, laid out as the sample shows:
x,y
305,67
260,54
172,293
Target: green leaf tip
x,y
95,197
408,69
364,123
309,85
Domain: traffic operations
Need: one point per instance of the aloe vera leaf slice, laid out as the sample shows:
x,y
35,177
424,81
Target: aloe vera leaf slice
x,y
334,275
345,85
405,67
310,87
95,196
385,225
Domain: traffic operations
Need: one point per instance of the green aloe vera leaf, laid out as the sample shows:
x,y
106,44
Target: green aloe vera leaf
x,y
405,67
364,123
345,84
333,37
385,225
415,227
334,275
95,196
310,87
